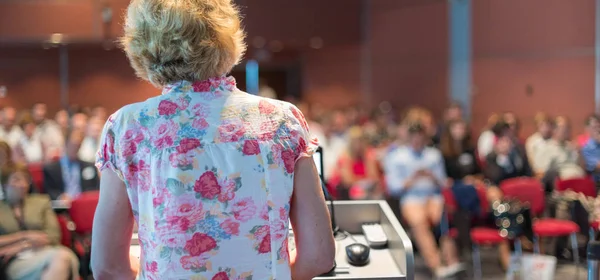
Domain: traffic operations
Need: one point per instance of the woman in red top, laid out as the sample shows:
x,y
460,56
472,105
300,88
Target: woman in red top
x,y
353,179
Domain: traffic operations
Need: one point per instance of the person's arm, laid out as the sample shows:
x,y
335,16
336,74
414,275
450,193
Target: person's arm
x,y
311,223
51,225
438,172
9,239
113,227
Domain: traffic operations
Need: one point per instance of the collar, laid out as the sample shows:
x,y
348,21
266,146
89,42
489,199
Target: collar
x,y
416,153
212,85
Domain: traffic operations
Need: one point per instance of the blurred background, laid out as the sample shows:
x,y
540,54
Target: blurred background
x,y
356,68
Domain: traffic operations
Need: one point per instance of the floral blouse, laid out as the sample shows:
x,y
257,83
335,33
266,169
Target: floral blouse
x,y
209,173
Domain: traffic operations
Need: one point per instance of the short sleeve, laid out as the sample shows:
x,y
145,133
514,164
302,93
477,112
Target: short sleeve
x,y
306,144
106,157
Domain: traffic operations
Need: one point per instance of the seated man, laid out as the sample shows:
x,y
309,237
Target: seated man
x,y
68,177
559,158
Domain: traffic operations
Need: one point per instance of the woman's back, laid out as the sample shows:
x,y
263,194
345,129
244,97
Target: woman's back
x,y
209,173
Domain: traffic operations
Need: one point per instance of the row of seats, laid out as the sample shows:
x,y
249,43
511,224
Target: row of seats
x,y
530,191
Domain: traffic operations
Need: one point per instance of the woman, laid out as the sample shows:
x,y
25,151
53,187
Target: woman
x,y
487,138
353,180
30,148
210,174
415,175
30,233
506,161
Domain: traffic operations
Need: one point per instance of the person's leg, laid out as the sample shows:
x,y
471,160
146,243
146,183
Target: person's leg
x,y
63,265
414,212
435,210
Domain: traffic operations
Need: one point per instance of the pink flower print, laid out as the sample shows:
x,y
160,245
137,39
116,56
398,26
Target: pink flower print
x,y
289,160
182,103
221,276
244,210
301,148
192,262
261,232
283,214
164,131
201,110
231,131
200,243
207,185
231,227
181,159
266,108
159,195
227,191
167,108
283,251
202,86
200,124
276,153
251,147
152,267
265,244
131,139
264,213
188,144
140,170
183,224
267,130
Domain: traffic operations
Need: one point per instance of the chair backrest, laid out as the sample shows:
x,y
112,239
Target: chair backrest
x,y
37,176
526,190
585,186
449,200
82,211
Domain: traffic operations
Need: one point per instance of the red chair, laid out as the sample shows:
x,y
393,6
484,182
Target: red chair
x,y
585,186
37,176
82,215
529,190
483,236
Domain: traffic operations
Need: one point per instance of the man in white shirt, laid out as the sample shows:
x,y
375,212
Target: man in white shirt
x,y
9,131
559,155
91,142
534,144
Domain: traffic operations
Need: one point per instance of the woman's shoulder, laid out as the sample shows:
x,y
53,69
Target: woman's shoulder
x,y
38,198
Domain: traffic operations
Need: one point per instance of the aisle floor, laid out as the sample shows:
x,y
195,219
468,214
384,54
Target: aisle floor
x,y
492,271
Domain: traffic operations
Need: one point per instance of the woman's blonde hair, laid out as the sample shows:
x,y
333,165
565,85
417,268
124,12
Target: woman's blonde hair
x,y
172,40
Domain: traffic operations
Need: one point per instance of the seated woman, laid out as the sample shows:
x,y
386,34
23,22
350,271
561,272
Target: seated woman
x,y
463,172
30,148
508,160
353,179
415,175
30,233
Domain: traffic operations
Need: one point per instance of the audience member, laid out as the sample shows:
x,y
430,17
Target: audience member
x,y
100,113
334,143
48,130
91,142
29,149
79,121
590,122
415,174
352,168
63,122
514,126
454,112
68,177
459,154
30,233
591,153
508,159
536,141
9,131
487,138
559,158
